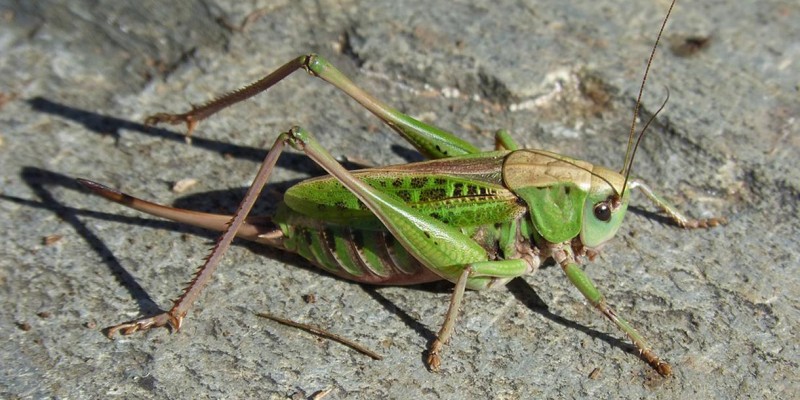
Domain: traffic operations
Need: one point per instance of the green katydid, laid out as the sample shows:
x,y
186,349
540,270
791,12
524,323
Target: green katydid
x,y
477,219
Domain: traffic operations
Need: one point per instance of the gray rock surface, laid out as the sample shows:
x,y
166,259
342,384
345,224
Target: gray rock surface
x,y
77,79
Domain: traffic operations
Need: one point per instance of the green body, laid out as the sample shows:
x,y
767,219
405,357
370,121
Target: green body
x,y
503,201
477,219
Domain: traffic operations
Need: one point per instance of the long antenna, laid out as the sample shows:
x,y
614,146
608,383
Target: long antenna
x,y
641,135
631,150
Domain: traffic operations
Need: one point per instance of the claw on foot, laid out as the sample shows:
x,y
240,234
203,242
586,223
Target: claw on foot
x,y
174,119
664,369
703,223
144,324
434,361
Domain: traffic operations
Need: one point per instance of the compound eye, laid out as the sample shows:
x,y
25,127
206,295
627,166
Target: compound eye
x,y
602,211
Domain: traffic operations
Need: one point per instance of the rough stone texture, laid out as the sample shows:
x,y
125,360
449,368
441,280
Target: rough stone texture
x,y
77,79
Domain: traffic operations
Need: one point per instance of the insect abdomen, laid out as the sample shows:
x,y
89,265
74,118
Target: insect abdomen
x,y
362,255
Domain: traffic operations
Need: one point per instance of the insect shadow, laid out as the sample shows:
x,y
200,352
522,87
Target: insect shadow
x,y
39,180
112,126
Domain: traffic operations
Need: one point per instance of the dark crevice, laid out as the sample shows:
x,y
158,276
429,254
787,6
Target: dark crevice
x,y
347,39
493,89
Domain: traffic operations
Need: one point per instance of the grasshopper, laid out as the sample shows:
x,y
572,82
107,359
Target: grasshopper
x,y
477,219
